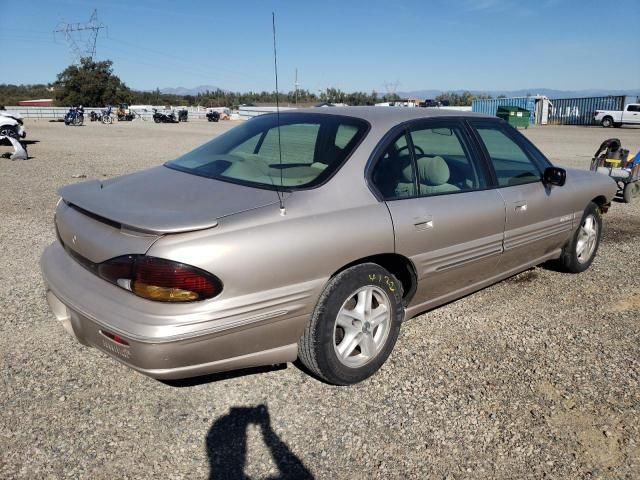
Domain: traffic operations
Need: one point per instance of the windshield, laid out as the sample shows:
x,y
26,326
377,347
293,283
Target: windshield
x,y
307,151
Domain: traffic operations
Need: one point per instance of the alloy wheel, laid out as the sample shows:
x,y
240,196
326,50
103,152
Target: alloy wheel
x,y
587,239
362,326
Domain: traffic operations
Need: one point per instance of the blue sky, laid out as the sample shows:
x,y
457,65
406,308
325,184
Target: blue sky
x,y
353,45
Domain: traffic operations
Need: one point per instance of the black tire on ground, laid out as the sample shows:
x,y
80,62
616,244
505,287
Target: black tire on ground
x,y
570,259
156,119
631,191
617,125
607,122
317,347
9,131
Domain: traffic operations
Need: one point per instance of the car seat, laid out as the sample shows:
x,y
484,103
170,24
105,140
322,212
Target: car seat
x,y
433,173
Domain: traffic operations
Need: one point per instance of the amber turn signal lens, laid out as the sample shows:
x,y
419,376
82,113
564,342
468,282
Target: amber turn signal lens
x,y
164,294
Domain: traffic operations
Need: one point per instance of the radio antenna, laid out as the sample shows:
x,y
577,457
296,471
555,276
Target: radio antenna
x,y
275,68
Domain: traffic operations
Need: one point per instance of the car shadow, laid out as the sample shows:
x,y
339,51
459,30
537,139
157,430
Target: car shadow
x,y
217,377
226,444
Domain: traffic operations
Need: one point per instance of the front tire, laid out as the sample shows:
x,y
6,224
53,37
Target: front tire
x,y
9,131
354,326
577,255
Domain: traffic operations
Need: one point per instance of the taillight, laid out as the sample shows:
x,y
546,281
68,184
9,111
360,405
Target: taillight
x,y
159,279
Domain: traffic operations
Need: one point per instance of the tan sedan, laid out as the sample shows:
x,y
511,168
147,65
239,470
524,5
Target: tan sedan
x,y
311,234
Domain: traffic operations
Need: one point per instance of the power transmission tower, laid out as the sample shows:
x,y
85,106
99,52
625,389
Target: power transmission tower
x,y
79,47
391,88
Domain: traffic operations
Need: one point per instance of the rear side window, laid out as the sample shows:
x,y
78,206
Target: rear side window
x,y
511,163
394,173
303,150
633,108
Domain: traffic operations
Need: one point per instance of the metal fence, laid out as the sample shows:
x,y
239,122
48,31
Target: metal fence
x,y
580,111
58,113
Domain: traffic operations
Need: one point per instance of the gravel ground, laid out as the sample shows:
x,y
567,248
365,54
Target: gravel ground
x,y
536,377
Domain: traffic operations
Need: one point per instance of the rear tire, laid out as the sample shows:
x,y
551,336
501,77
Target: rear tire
x,y
578,254
631,191
607,122
354,326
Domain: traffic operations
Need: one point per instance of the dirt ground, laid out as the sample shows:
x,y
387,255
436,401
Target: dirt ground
x,y
535,377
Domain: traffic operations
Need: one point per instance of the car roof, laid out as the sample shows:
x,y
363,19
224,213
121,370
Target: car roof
x,y
389,115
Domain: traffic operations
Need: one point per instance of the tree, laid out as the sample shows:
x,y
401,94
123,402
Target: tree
x,y
91,83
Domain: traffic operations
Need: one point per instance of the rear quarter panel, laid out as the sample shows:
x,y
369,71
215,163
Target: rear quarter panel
x,y
282,261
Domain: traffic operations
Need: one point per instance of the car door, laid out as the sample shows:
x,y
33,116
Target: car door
x,y
447,217
539,218
632,114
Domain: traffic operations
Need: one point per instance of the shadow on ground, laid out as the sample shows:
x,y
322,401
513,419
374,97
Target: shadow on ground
x,y
217,377
227,446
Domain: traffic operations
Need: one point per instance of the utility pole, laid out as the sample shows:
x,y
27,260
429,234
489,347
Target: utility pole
x,y
296,85
87,48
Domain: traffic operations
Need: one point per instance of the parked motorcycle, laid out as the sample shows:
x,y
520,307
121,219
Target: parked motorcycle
x,y
183,115
213,116
107,118
75,116
160,117
94,116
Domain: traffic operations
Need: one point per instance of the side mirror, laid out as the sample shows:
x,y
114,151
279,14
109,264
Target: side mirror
x,y
554,176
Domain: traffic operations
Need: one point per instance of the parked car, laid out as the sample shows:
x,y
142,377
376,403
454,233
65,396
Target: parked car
x,y
240,253
616,118
11,124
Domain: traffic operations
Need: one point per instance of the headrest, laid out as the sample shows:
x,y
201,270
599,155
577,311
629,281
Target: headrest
x,y
433,171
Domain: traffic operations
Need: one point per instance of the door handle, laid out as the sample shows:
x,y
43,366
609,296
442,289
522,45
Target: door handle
x,y
520,206
423,223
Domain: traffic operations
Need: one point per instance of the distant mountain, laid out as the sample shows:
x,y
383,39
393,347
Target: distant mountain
x,y
551,93
190,91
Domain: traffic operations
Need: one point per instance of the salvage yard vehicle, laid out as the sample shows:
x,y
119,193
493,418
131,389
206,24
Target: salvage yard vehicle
x,y
621,165
164,117
124,113
310,234
75,116
11,125
616,118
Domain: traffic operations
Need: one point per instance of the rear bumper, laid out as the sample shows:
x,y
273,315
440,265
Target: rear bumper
x,y
87,306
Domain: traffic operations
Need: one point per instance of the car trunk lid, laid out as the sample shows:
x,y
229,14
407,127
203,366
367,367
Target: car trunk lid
x,y
162,200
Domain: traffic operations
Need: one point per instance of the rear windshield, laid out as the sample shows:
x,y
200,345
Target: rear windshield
x,y
305,152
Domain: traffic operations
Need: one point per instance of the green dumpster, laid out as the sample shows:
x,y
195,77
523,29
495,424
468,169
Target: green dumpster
x,y
514,116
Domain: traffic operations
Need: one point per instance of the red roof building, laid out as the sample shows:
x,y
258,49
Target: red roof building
x,y
43,102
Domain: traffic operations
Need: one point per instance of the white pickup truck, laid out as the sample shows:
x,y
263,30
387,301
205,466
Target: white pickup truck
x,y
616,118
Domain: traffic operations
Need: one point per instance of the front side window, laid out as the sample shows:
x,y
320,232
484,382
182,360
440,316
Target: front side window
x,y
304,151
444,163
511,163
633,108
